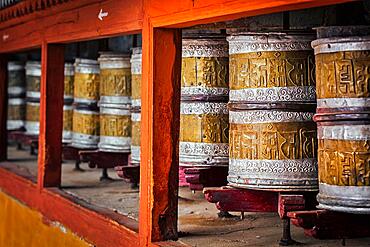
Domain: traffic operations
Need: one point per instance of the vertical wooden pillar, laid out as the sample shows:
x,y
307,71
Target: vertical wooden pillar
x,y
160,134
3,106
51,115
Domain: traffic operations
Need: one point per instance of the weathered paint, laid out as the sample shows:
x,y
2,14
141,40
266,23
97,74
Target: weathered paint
x,y
22,226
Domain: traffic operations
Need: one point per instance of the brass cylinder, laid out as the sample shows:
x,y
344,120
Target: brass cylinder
x,y
343,118
67,123
32,117
86,81
85,128
33,78
272,102
204,93
16,79
136,135
16,113
115,129
68,81
136,77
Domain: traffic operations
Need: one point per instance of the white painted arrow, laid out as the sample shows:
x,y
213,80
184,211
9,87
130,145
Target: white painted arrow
x,y
102,14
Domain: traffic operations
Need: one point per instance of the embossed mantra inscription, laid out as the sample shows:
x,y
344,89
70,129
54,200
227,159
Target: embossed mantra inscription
x,y
68,85
32,112
115,82
86,86
115,125
67,119
344,74
86,123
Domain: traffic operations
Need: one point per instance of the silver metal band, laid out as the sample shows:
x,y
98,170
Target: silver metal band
x,y
203,108
204,48
16,101
343,102
344,132
135,117
32,128
349,199
115,144
273,174
115,111
69,69
329,45
274,94
136,61
33,68
15,66
67,136
14,124
110,60
16,90
268,116
33,94
136,102
259,42
87,112
86,66
204,149
80,140
67,107
206,91
86,101
135,154
119,100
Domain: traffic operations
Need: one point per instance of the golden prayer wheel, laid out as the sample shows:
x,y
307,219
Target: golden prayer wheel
x,y
204,68
204,93
272,102
136,135
16,113
343,117
16,79
85,127
204,134
115,79
136,105
115,129
136,77
86,81
32,116
68,81
67,123
33,78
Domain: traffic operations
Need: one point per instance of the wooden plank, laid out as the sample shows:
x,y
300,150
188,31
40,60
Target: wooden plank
x,y
51,115
160,134
3,107
175,14
99,226
80,23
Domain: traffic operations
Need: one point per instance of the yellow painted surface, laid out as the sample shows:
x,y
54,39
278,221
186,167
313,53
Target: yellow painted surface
x,y
21,226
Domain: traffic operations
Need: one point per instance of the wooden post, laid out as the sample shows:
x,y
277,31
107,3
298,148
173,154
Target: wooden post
x,y
51,115
160,133
3,107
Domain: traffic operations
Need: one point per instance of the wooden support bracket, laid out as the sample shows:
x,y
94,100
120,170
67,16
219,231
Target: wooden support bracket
x,y
200,177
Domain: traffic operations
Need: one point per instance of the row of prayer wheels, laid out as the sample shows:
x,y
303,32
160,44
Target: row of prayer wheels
x,y
266,133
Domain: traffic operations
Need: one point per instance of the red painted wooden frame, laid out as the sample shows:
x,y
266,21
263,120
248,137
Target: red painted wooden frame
x,y
78,20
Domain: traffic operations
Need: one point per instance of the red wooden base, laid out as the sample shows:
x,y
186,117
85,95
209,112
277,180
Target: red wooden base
x,y
200,177
20,138
246,200
130,173
324,224
72,153
182,178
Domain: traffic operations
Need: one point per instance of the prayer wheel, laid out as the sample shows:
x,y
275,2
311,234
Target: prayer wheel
x,y
115,102
86,81
32,116
85,127
16,113
33,78
272,102
136,105
68,100
16,79
343,117
204,93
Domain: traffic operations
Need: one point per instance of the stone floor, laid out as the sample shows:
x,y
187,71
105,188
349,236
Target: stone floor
x,y
198,221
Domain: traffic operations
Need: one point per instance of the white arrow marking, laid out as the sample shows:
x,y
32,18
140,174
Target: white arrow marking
x,y
102,14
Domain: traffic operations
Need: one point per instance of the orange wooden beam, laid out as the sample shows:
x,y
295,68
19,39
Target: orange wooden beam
x,y
160,133
51,115
99,226
3,107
